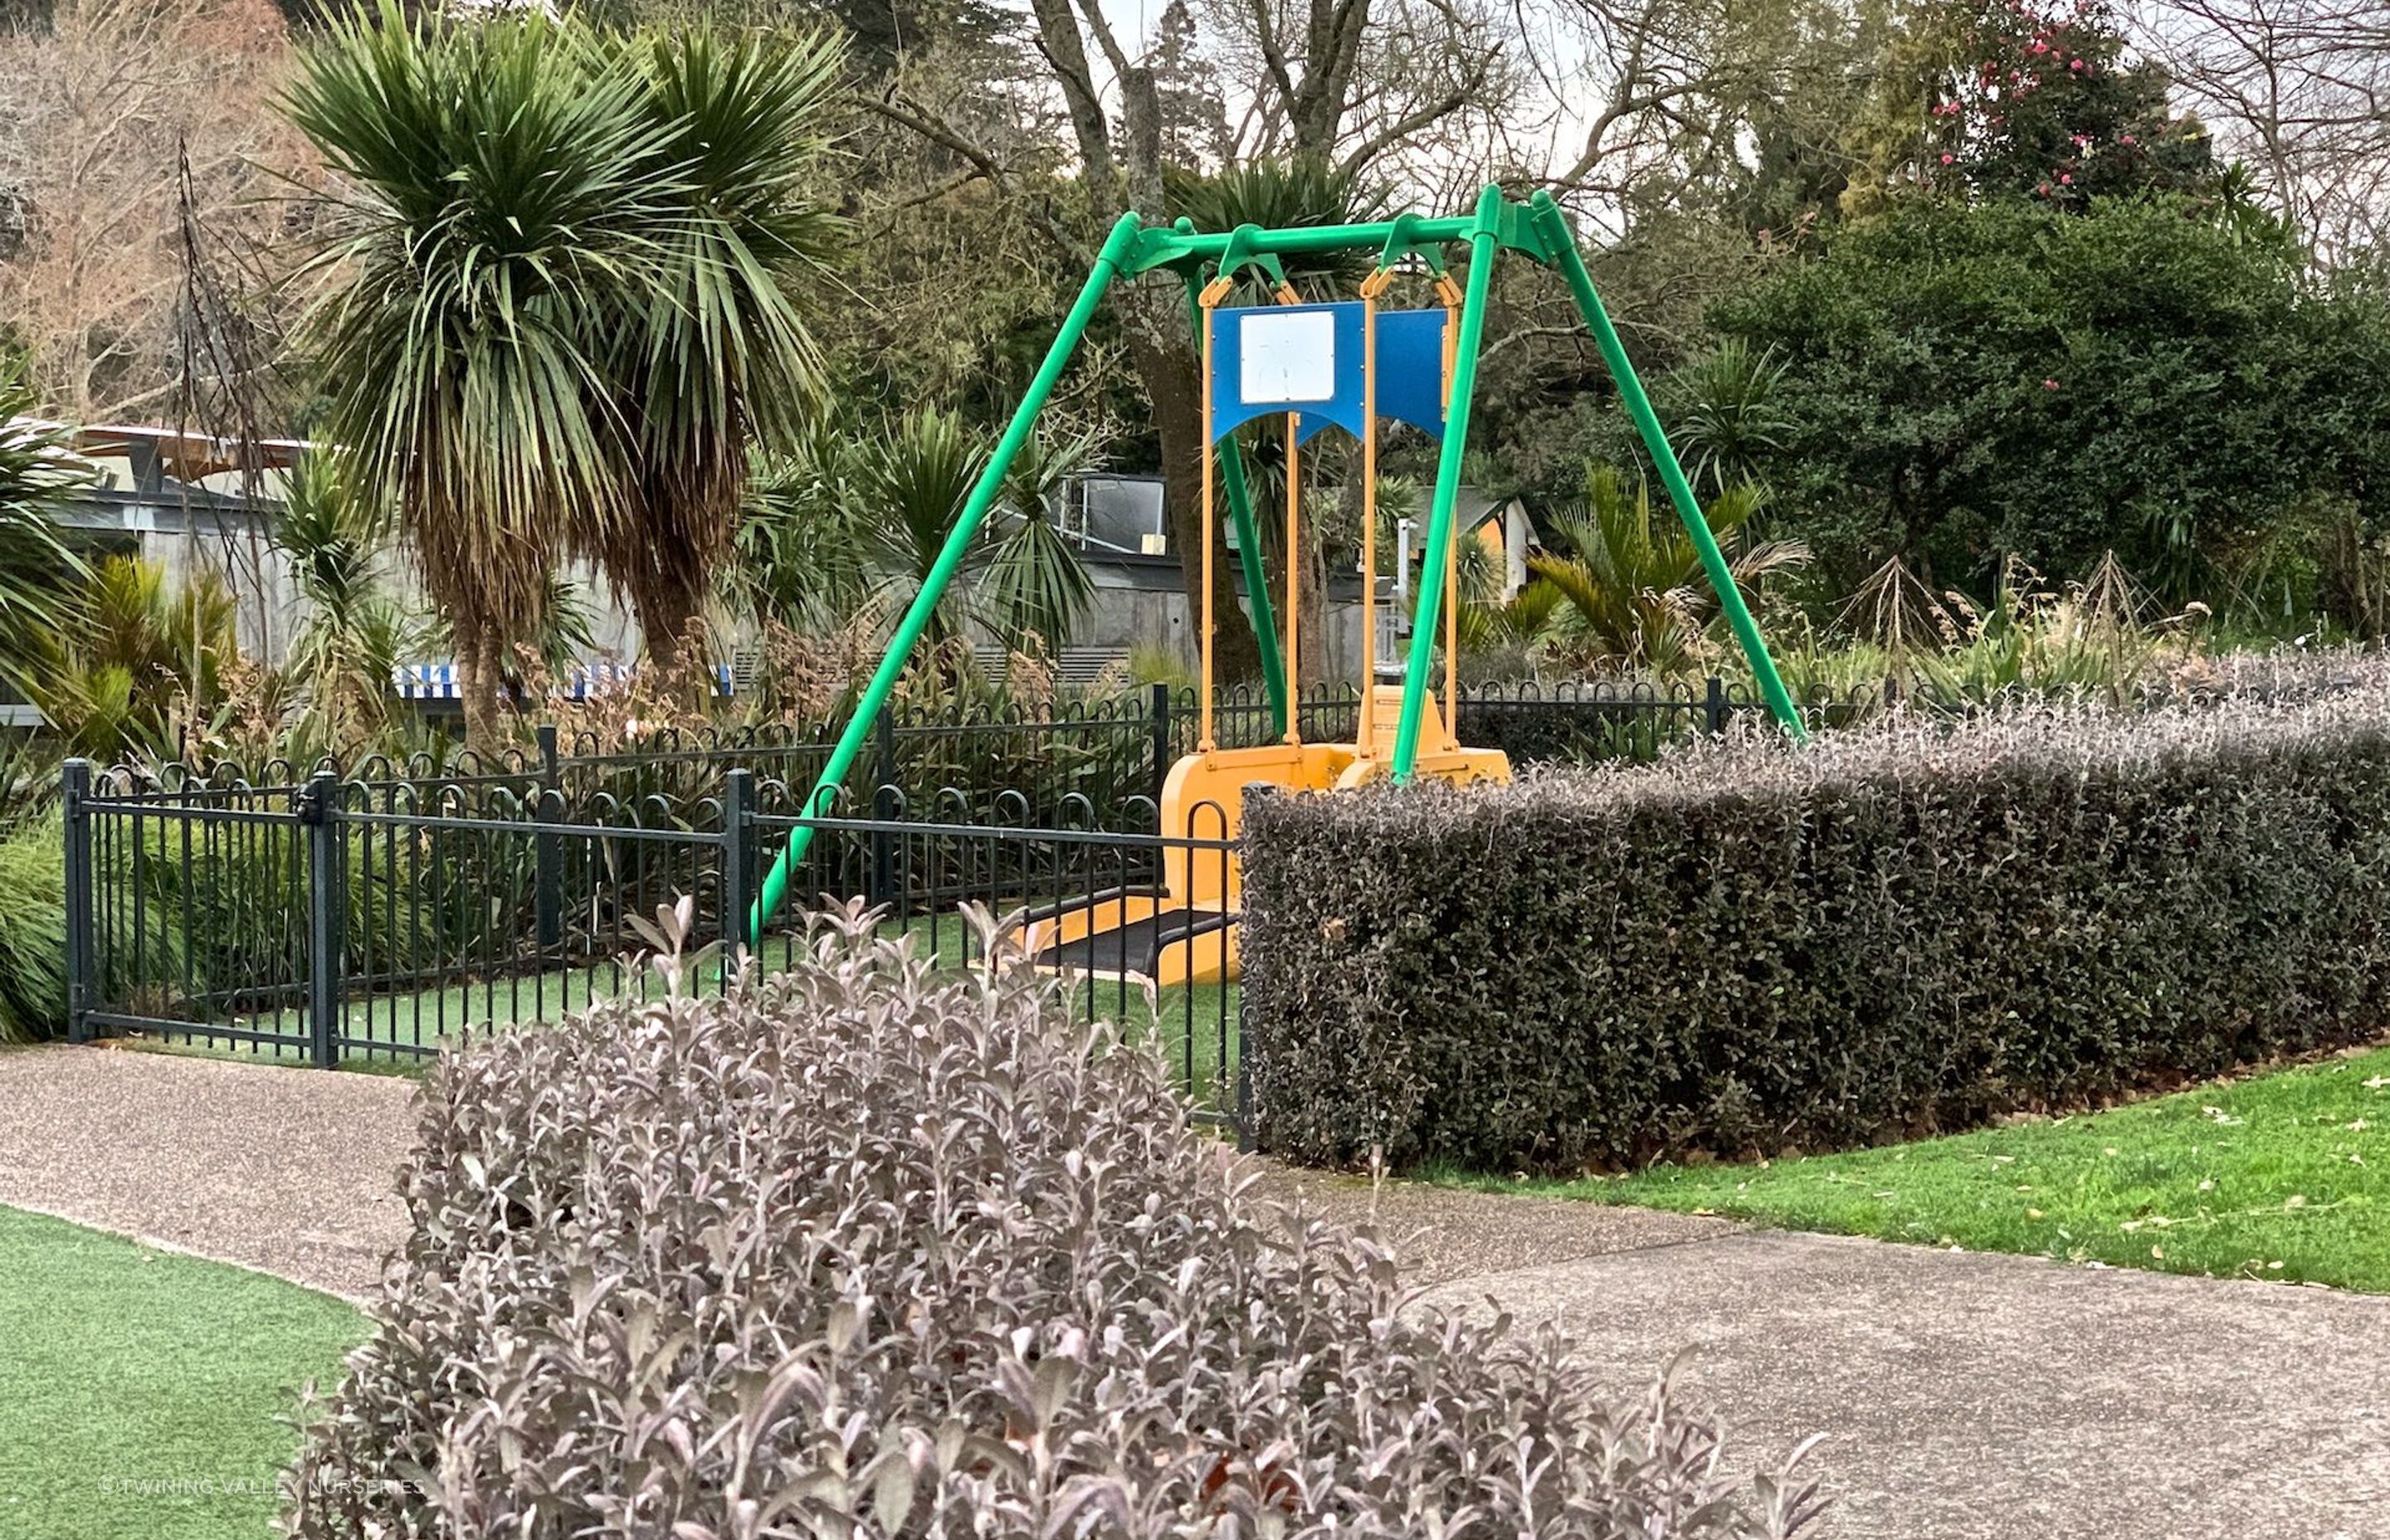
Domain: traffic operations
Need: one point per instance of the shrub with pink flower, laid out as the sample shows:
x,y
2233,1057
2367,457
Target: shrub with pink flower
x,y
2010,123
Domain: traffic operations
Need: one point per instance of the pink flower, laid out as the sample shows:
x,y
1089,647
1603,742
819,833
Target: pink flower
x,y
2050,384
2039,47
2076,65
2043,189
1948,159
2124,138
2066,179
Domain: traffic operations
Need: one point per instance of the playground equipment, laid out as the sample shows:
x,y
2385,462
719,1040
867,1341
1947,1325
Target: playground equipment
x,y
1344,364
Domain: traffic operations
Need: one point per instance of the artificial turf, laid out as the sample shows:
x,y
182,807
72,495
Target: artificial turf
x,y
145,1393
2285,1176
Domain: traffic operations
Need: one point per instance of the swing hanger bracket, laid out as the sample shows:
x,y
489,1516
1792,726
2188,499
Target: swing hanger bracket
x,y
1244,250
1407,242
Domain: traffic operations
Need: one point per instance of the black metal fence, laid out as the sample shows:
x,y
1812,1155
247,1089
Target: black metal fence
x,y
374,913
335,921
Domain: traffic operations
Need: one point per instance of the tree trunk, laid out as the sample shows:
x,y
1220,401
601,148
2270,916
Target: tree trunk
x,y
672,623
1321,669
478,679
1168,372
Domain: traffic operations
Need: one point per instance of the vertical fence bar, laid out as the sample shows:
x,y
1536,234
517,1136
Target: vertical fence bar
x,y
882,855
738,863
1157,711
76,778
1714,705
547,849
325,902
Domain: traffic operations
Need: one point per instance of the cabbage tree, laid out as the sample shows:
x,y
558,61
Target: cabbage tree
x,y
555,317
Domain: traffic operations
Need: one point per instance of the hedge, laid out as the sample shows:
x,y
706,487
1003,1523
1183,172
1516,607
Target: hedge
x,y
1749,948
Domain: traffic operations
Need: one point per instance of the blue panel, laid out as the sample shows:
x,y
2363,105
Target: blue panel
x,y
1411,370
1231,410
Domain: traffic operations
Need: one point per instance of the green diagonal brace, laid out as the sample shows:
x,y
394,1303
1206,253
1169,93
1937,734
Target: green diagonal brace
x,y
1561,242
1484,232
1109,263
1249,540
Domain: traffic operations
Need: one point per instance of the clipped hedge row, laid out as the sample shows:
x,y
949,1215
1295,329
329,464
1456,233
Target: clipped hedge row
x,y
1895,931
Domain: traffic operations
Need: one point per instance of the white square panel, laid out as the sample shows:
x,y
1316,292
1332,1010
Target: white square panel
x,y
1286,358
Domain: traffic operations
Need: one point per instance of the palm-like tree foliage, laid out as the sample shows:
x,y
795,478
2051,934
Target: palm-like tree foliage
x,y
853,519
1726,416
799,558
358,633
1283,195
1492,623
715,356
494,220
1037,587
1634,584
909,488
34,474
142,666
552,320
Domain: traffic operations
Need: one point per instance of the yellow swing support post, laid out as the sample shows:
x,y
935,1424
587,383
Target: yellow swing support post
x,y
1292,650
1449,292
1372,287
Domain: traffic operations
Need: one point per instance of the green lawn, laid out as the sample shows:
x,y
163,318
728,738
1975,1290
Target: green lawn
x,y
2286,1176
148,1394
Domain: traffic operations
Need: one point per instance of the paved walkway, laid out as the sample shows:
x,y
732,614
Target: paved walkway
x,y
1965,1396
287,1170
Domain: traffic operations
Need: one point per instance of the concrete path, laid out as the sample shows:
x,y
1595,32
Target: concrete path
x,y
286,1169
1964,1396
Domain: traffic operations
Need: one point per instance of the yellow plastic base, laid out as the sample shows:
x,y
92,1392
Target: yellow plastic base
x,y
1203,800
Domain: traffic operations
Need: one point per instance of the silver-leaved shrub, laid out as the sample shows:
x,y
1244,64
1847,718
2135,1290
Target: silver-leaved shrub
x,y
860,1249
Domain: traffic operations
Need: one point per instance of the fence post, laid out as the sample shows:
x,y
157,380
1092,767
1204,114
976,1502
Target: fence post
x,y
79,959
738,864
547,849
1165,740
1713,706
882,851
326,908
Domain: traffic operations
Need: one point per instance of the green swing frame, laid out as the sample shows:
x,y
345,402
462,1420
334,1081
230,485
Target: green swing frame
x,y
1536,228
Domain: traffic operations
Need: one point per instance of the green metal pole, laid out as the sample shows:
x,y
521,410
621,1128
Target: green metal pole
x,y
1562,243
1249,543
1164,246
1109,263
1482,247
